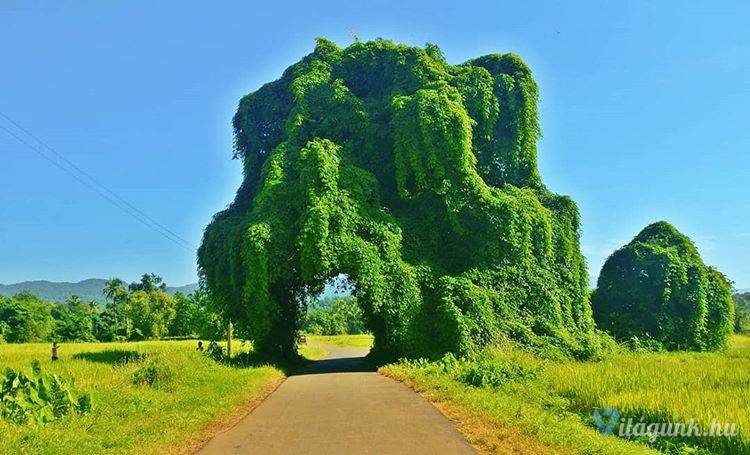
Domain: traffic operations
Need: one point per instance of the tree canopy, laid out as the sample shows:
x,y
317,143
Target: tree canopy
x,y
658,287
137,311
416,178
742,311
334,316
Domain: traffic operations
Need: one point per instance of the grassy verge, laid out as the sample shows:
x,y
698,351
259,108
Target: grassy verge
x,y
343,341
192,398
312,352
513,402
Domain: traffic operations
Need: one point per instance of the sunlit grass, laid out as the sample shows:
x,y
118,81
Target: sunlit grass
x,y
678,385
311,352
343,341
554,405
130,418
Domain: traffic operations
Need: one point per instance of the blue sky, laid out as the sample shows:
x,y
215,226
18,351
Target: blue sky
x,y
645,113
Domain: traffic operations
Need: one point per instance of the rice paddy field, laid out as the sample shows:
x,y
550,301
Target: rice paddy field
x,y
186,399
506,401
512,401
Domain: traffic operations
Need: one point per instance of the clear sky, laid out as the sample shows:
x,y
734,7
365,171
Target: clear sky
x,y
645,111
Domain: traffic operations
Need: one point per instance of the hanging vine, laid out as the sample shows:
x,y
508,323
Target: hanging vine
x,y
658,288
417,179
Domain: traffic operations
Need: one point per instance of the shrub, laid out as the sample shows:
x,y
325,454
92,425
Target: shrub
x,y
486,373
492,369
153,373
215,352
39,397
644,344
658,288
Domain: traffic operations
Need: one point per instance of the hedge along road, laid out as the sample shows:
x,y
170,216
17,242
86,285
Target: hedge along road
x,y
340,405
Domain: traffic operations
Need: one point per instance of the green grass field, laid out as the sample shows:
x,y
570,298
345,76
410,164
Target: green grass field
x,y
343,341
514,400
511,401
193,398
313,352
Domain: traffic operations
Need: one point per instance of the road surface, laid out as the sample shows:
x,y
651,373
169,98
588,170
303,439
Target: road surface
x,y
340,405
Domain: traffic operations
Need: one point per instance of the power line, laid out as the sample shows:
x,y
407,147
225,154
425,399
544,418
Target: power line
x,y
96,182
92,183
114,201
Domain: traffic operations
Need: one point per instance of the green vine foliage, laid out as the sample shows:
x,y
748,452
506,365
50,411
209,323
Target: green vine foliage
x,y
415,178
657,287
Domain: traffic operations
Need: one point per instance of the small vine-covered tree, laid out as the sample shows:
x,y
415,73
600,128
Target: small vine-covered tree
x,y
657,287
418,180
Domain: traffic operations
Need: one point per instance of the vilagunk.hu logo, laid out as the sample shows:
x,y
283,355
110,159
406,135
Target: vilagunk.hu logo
x,y
611,421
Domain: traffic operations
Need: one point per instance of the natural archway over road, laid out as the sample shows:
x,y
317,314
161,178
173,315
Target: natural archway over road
x,y
339,405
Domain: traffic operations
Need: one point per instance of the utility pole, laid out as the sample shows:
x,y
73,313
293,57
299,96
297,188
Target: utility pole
x,y
229,340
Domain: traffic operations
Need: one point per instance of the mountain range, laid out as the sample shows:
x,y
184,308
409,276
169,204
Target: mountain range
x,y
87,290
91,289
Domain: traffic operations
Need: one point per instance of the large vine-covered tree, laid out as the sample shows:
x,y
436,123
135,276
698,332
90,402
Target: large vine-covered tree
x,y
415,178
658,287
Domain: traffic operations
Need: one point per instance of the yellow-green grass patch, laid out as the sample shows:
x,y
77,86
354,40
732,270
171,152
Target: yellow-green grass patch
x,y
195,396
554,405
343,341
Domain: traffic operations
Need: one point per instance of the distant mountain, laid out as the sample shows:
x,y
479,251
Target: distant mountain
x,y
87,290
187,289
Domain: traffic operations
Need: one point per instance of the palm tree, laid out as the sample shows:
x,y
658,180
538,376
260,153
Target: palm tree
x,y
116,293
114,289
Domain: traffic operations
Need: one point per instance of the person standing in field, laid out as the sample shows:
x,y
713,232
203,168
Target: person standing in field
x,y
55,347
200,346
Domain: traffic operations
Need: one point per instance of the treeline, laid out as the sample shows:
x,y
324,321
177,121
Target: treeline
x,y
136,311
334,316
741,312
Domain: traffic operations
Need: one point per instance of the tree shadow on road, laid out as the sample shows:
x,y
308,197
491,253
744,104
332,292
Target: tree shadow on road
x,y
300,365
336,365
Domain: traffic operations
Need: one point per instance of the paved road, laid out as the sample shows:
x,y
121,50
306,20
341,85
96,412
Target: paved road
x,y
339,405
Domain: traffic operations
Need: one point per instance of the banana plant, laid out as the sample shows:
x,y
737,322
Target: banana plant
x,y
39,397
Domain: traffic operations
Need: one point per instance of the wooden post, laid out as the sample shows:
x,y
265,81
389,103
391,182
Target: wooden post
x,y
229,340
